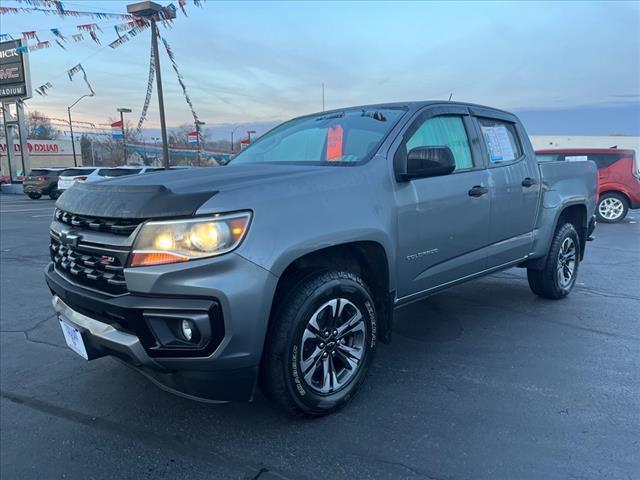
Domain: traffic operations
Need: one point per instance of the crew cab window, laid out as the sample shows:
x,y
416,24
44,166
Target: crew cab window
x,y
500,139
447,131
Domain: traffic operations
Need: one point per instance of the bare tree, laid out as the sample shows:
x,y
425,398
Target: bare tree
x,y
39,127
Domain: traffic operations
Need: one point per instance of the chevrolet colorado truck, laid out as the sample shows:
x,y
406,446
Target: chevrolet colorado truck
x,y
282,270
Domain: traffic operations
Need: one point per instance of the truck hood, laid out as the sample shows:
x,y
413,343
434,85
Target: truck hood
x,y
173,193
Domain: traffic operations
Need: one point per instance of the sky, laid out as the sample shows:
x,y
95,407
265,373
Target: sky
x,y
566,67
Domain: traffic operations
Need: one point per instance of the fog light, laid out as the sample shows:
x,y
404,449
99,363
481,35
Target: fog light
x,y
187,330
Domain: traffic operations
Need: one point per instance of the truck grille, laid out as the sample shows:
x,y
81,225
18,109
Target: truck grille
x,y
112,225
98,266
91,269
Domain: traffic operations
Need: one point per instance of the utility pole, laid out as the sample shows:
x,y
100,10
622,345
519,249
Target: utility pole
x,y
73,143
151,11
232,132
163,122
198,125
323,96
124,137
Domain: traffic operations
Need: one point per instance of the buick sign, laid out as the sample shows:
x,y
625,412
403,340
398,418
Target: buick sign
x,y
15,81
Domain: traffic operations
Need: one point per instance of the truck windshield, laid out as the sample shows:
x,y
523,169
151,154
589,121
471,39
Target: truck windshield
x,y
334,138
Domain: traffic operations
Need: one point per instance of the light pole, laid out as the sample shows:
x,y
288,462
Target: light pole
x,y
155,141
124,138
232,132
73,143
198,125
249,132
150,12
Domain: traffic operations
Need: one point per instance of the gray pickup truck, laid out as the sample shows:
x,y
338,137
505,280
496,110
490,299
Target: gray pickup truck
x,y
283,269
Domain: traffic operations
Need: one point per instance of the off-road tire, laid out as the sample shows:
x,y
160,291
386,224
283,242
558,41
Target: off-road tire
x,y
281,378
545,283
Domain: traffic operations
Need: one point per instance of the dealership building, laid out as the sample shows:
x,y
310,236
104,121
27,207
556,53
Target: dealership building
x,y
42,153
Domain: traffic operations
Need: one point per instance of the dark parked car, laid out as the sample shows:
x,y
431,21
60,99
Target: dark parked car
x,y
42,181
618,178
283,269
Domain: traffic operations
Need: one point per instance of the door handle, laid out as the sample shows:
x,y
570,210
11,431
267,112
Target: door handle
x,y
529,182
478,191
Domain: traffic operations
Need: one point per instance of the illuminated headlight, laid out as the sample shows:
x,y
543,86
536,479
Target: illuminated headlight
x,y
174,241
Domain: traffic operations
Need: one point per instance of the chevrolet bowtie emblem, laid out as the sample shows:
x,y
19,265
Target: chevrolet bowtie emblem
x,y
70,239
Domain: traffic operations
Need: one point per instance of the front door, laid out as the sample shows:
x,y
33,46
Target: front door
x,y
442,221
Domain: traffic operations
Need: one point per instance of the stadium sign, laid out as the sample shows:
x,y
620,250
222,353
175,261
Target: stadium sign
x,y
15,81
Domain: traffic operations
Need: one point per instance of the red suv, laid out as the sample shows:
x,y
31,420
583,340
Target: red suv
x,y
618,178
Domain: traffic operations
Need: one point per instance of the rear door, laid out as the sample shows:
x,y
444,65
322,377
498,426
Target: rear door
x,y
514,185
442,221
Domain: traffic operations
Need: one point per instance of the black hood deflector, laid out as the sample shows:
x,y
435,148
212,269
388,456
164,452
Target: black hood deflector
x,y
130,201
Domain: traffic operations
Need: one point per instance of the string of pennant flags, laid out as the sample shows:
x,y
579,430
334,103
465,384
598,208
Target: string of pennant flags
x,y
60,10
66,122
79,68
172,58
132,28
125,32
147,98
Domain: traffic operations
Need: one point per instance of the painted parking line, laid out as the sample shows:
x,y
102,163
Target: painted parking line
x,y
28,210
27,205
30,204
18,206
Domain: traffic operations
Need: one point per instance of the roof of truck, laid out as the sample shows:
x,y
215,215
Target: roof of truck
x,y
415,105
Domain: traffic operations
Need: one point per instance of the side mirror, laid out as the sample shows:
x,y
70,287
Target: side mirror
x,y
428,162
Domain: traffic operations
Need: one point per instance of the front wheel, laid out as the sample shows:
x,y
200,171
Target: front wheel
x,y
34,196
320,344
55,194
559,274
612,208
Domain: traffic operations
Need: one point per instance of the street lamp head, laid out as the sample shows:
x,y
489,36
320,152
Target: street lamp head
x,y
152,11
251,131
200,122
144,9
124,110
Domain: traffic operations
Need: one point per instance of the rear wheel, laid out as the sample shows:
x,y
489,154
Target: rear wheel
x,y
321,342
55,194
558,276
612,207
34,196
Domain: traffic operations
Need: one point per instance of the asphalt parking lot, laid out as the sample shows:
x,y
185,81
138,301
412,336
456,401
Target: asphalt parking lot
x,y
484,381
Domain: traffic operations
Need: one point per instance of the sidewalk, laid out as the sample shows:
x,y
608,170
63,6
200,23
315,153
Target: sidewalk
x,y
12,189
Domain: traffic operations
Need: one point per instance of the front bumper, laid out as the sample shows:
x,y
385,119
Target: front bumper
x,y
118,326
